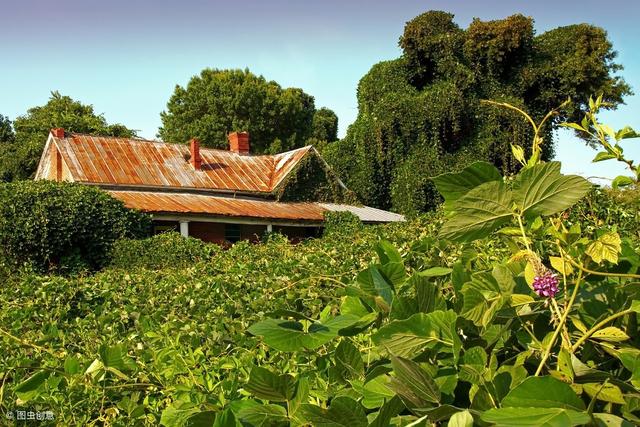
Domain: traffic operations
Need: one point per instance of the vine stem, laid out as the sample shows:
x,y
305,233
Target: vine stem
x,y
602,273
27,344
547,352
599,325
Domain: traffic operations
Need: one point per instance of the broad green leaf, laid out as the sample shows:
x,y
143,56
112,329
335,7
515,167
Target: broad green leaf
x,y
621,181
71,365
454,185
116,357
413,384
543,392
387,252
461,419
611,334
543,190
31,387
635,306
603,155
187,416
560,265
343,412
435,272
565,366
264,415
374,282
483,296
605,392
301,396
288,335
389,410
266,385
607,247
428,294
479,212
535,417
410,337
348,360
225,419
374,392
575,126
609,420
626,133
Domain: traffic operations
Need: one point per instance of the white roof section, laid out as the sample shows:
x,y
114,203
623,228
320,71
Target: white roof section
x,y
365,213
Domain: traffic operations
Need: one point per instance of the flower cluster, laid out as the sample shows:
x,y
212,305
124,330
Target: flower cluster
x,y
546,284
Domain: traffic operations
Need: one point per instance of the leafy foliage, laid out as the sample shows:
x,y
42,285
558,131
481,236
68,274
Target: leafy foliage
x,y
19,159
421,115
6,130
62,226
221,101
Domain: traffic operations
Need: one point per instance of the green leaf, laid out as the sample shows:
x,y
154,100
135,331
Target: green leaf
x,y
603,155
611,334
266,385
31,387
374,392
560,265
435,272
264,415
479,212
225,419
413,384
71,365
543,392
575,126
116,357
453,186
374,282
288,335
609,420
607,247
389,410
461,419
535,417
343,412
348,360
410,337
626,133
606,392
518,153
387,252
621,181
543,190
187,416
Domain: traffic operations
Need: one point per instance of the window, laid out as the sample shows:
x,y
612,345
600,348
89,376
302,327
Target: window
x,y
232,232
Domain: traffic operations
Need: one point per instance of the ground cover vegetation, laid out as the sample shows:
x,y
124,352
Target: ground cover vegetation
x,y
515,304
421,114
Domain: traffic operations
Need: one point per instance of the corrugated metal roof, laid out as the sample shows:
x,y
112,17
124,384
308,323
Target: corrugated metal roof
x,y
126,161
184,203
365,213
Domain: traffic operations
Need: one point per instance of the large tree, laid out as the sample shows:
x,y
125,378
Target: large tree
x,y
19,159
217,102
421,115
6,130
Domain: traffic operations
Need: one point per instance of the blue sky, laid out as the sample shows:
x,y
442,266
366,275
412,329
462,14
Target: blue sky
x,y
125,57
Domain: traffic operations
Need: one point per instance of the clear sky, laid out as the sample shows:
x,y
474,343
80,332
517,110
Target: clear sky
x,y
126,56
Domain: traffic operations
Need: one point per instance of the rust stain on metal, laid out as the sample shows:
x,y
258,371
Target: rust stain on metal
x,y
126,161
156,202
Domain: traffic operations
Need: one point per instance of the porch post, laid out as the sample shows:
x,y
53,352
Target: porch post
x,y
184,228
269,228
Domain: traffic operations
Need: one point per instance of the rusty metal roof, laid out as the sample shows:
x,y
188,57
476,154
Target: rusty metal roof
x,y
136,162
184,203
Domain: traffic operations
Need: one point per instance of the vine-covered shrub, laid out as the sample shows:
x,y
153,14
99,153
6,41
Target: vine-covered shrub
x,y
165,250
341,223
62,226
421,115
313,180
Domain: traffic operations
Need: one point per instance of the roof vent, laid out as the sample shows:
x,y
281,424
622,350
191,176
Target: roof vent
x,y
239,142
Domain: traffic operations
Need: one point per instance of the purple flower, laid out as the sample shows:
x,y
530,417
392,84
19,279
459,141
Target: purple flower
x,y
546,285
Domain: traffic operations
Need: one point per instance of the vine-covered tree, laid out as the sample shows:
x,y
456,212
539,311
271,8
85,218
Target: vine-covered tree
x,y
325,125
19,159
420,115
217,102
6,130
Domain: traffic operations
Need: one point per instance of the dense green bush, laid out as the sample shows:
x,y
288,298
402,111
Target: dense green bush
x,y
341,223
62,226
165,250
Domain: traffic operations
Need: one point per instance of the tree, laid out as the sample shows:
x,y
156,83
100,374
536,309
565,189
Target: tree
x,y
325,125
421,114
6,130
217,102
19,159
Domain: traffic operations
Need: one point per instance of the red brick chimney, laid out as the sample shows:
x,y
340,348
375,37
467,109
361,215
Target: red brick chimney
x,y
57,132
239,142
195,158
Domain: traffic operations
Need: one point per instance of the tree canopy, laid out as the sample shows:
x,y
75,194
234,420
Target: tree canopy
x,y
217,102
19,159
420,115
6,130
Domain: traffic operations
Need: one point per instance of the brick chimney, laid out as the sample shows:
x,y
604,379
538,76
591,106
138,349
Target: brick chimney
x,y
239,142
57,132
195,158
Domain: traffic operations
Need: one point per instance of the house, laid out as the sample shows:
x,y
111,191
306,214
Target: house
x,y
214,195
